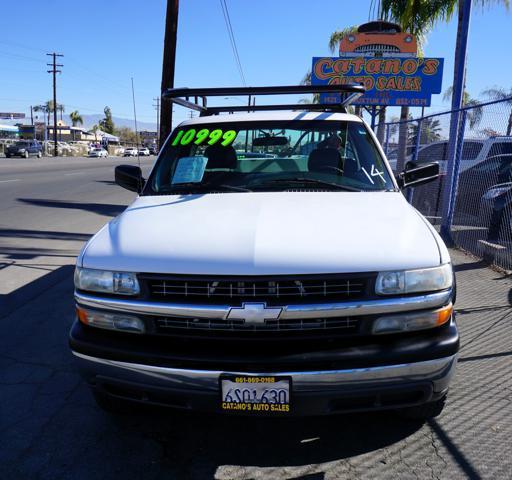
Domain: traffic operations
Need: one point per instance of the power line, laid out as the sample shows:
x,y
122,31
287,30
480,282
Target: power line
x,y
229,27
54,71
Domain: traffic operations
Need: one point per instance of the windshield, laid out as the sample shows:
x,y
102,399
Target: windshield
x,y
269,156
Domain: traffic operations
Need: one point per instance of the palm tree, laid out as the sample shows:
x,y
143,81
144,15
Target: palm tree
x,y
338,36
95,129
416,17
419,17
499,93
430,131
60,108
76,118
474,114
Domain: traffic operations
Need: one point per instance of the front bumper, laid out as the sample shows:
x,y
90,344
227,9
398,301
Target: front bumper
x,y
401,372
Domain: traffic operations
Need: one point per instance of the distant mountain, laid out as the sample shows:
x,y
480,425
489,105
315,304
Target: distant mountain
x,y
90,120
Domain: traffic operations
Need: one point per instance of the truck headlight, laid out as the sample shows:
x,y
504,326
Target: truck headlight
x,y
104,281
410,322
411,281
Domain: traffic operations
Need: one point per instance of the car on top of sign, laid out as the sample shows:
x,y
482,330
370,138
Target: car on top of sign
x,y
378,38
270,265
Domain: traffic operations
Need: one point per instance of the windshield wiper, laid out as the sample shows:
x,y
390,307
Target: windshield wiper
x,y
206,187
314,181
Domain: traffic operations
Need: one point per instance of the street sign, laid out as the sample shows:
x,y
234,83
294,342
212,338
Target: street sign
x,y
11,115
388,81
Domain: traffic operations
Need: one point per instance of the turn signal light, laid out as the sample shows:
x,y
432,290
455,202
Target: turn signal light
x,y
110,321
409,322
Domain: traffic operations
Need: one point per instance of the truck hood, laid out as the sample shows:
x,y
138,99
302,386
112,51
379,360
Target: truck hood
x,y
265,234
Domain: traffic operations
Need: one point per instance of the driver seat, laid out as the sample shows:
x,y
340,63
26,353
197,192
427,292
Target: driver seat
x,y
325,160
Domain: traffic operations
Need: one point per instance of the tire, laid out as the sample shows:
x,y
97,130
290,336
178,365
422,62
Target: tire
x,y
25,154
39,154
111,404
7,155
425,411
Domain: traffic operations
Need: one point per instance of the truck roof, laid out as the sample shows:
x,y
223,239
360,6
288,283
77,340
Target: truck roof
x,y
270,116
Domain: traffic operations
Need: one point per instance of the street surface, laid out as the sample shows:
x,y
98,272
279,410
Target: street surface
x,y
50,427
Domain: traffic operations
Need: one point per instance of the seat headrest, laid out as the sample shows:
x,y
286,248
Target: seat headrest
x,y
220,157
324,157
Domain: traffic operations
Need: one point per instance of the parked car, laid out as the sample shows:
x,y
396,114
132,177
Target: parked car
x,y
496,208
130,152
98,152
153,150
24,149
301,284
474,151
144,152
474,181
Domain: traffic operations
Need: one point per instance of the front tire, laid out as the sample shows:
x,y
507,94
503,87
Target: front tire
x,y
426,411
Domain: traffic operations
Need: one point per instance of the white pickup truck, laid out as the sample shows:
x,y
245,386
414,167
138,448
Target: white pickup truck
x,y
270,265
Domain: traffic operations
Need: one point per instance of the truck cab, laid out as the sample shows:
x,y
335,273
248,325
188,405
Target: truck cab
x,y
269,265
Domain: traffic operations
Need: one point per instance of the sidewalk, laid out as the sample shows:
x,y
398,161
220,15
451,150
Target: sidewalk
x,y
51,428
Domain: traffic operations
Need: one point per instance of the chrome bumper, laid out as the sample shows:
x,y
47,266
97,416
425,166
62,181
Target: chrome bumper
x,y
291,312
438,371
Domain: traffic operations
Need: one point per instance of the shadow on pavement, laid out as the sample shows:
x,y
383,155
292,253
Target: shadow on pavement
x,y
27,253
12,301
265,442
45,234
106,209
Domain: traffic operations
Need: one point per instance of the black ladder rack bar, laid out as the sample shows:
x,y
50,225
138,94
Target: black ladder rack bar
x,y
181,97
335,107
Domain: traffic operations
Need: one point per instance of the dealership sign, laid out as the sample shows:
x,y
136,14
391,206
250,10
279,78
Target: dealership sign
x,y
11,115
388,81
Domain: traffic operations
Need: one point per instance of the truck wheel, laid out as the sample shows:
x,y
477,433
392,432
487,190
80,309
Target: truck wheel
x,y
425,411
26,155
112,404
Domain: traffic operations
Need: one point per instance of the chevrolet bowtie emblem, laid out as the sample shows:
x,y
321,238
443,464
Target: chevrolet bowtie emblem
x,y
254,313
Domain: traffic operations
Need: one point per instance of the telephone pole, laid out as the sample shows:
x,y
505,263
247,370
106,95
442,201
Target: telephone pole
x,y
157,108
168,66
54,71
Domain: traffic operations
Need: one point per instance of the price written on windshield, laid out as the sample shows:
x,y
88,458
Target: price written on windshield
x,y
210,137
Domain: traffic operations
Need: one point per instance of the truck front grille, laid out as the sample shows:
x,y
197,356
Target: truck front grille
x,y
274,290
339,324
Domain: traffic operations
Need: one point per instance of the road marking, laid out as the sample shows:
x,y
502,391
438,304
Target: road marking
x,y
76,173
13,180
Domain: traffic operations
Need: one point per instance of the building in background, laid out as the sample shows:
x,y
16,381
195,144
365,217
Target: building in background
x,y
148,138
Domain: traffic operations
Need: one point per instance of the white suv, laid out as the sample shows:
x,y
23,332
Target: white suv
x,y
474,151
270,265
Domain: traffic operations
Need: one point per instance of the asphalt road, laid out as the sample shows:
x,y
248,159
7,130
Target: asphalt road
x,y
50,427
48,208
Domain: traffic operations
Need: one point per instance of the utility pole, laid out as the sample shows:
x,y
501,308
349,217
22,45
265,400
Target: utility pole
x,y
157,108
168,66
54,71
451,180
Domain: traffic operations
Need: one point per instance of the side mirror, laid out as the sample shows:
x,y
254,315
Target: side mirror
x,y
129,177
415,176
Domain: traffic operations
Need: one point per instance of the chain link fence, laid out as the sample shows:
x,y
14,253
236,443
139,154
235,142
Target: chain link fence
x,y
474,208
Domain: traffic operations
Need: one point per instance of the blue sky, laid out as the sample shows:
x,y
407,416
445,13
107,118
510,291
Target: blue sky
x,y
105,43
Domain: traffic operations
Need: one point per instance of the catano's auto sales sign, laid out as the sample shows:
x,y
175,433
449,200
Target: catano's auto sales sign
x,y
388,80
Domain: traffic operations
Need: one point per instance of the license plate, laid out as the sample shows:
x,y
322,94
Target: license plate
x,y
256,394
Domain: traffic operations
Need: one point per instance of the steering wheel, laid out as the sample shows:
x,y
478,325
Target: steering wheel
x,y
329,169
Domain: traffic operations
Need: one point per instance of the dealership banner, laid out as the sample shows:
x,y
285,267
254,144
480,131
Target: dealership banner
x,y
387,80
